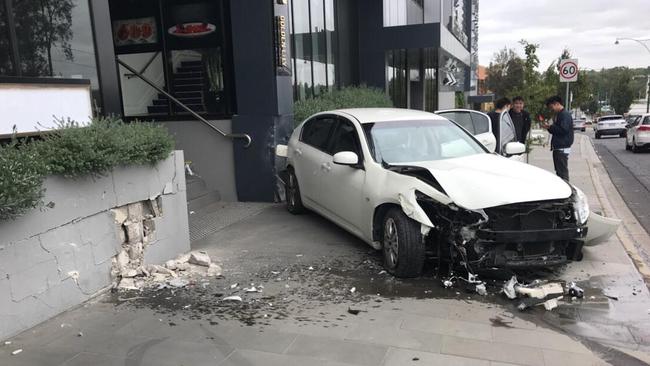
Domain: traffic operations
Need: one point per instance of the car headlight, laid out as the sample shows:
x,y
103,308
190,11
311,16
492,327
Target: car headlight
x,y
580,206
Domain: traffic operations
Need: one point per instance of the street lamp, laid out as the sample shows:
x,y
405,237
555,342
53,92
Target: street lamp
x,y
642,42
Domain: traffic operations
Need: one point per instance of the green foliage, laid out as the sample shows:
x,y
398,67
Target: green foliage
x,y
505,73
460,99
73,151
349,97
21,177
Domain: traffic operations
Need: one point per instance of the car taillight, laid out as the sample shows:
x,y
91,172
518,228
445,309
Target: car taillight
x,y
644,128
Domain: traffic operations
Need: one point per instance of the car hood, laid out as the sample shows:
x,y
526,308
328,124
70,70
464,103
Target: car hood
x,y
489,180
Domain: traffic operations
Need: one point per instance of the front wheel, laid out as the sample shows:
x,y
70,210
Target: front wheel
x,y
403,245
627,146
635,149
597,136
292,195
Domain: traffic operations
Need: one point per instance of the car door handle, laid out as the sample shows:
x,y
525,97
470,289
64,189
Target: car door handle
x,y
298,152
326,167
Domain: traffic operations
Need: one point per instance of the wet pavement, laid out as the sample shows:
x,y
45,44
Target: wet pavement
x,y
325,300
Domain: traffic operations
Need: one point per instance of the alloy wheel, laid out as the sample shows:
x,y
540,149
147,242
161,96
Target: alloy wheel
x,y
391,242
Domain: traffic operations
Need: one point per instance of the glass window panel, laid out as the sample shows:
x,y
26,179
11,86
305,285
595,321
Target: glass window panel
x,y
55,39
481,123
6,64
431,11
396,77
455,18
138,97
403,12
507,130
302,49
345,139
330,30
317,132
430,84
319,48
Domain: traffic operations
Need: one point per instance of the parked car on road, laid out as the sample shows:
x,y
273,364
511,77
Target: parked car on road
x,y
638,133
610,125
415,184
579,124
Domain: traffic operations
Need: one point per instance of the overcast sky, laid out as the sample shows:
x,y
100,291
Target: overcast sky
x,y
588,28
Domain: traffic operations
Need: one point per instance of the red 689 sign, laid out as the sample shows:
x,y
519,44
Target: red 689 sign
x,y
569,70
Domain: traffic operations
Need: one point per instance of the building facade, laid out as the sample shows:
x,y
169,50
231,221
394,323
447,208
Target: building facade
x,y
240,65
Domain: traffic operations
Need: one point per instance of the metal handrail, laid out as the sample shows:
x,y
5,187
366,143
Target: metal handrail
x,y
179,103
145,67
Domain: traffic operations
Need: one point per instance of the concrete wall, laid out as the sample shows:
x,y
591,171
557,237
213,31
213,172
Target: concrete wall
x,y
58,257
211,154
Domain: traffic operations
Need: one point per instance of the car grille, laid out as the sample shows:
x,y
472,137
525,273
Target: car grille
x,y
542,215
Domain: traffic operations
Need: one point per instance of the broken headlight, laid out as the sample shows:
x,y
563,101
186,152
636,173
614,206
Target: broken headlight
x,y
580,205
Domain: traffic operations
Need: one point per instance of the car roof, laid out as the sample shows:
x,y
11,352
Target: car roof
x,y
377,115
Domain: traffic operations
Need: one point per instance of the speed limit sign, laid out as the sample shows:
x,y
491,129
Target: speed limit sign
x,y
568,70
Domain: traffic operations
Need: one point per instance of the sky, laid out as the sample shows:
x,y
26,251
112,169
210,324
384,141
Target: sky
x,y
588,28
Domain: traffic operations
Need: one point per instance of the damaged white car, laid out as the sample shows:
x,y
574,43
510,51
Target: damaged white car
x,y
417,185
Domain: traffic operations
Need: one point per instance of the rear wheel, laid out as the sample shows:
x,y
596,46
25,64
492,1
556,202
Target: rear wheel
x,y
622,134
583,129
597,135
627,146
292,195
635,149
403,245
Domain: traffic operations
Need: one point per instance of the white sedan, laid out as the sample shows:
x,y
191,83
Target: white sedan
x,y
638,133
416,184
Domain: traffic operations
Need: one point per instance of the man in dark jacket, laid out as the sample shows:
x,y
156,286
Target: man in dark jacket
x,y
521,118
562,132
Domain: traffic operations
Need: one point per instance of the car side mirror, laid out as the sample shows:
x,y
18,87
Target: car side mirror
x,y
281,151
515,148
346,158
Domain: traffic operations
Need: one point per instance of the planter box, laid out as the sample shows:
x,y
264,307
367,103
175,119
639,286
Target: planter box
x,y
58,257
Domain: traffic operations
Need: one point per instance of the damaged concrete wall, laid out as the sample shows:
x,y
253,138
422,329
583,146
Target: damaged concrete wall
x,y
58,257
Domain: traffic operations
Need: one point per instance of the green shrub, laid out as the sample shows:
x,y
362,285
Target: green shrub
x,y
349,97
21,177
73,151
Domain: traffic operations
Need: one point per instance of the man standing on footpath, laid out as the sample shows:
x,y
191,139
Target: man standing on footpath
x,y
562,132
521,119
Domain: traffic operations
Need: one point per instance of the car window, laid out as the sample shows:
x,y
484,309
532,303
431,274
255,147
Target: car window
x,y
507,130
345,138
481,123
462,118
646,120
609,118
317,131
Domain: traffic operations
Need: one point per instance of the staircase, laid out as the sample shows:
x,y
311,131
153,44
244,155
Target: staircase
x,y
198,194
188,83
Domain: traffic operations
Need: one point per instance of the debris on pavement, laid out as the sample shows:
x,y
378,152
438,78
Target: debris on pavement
x,y
354,311
7,343
16,351
481,290
199,258
353,289
232,298
447,283
615,298
509,288
575,291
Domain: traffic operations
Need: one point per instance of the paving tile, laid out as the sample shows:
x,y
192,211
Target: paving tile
x,y
266,340
402,357
396,337
337,350
172,352
451,327
472,313
492,351
86,359
107,343
257,358
538,339
552,357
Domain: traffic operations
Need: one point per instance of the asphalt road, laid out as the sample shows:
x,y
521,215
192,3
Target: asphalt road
x,y
629,172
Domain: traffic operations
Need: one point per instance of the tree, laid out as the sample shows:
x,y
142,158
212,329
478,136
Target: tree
x,y
57,16
505,73
622,94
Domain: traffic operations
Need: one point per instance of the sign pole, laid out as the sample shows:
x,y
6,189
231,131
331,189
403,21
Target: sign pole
x,y
567,102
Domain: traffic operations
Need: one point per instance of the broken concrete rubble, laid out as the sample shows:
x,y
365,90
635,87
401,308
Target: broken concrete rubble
x,y
199,258
536,293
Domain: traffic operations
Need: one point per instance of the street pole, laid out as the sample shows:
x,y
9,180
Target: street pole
x,y
647,94
566,100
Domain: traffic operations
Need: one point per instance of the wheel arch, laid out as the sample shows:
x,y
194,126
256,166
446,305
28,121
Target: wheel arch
x,y
378,218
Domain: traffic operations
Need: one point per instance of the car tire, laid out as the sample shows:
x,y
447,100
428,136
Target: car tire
x,y
403,245
292,195
627,146
622,134
635,149
597,136
583,129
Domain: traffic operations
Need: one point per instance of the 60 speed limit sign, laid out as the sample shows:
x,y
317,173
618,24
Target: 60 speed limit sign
x,y
569,70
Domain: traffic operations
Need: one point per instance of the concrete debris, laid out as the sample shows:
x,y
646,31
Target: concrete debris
x,y
122,259
615,298
129,273
481,290
353,290
575,291
178,282
252,289
232,298
551,304
234,285
199,258
16,351
214,270
7,343
447,283
127,284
